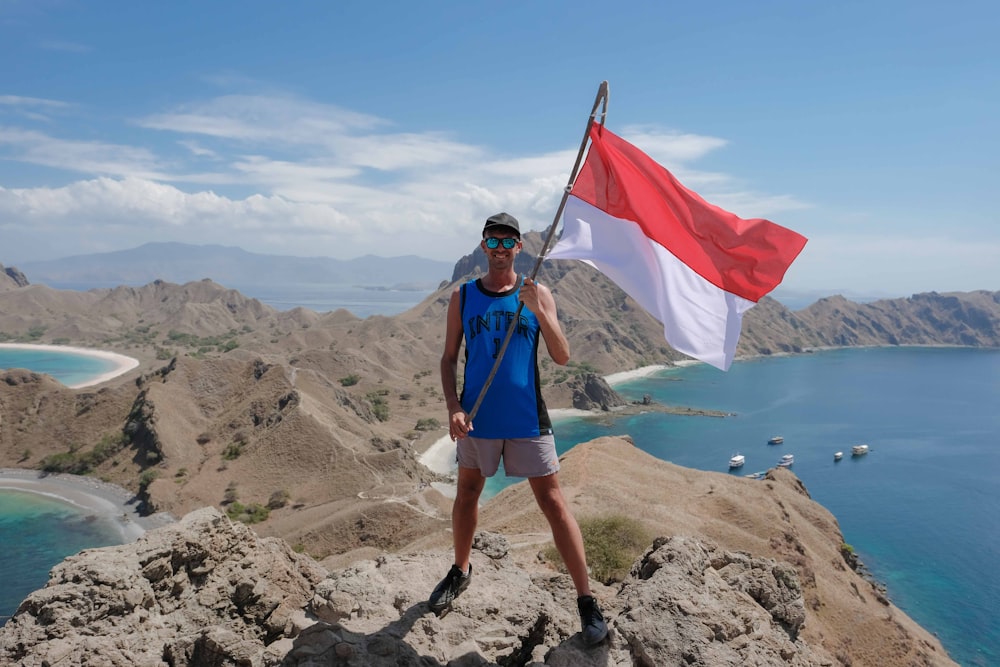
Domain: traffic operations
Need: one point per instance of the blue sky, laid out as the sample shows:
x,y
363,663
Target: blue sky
x,y
347,128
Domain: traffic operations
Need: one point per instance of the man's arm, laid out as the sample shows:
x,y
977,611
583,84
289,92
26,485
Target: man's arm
x,y
540,301
457,418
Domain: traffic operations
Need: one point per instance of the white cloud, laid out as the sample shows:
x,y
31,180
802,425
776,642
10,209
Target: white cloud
x,y
88,157
293,176
19,101
277,120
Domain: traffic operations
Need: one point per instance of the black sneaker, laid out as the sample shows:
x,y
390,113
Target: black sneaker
x,y
592,620
450,588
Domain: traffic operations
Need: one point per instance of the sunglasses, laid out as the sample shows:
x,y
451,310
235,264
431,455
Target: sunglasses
x,y
493,243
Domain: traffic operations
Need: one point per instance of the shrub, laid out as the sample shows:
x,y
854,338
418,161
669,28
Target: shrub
x,y
278,499
350,380
252,513
380,406
146,478
232,451
612,544
427,424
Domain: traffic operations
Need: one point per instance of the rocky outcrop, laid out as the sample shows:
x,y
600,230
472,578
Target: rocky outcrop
x,y
685,602
210,592
592,392
204,591
12,278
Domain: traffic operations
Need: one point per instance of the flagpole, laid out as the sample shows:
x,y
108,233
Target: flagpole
x,y
600,101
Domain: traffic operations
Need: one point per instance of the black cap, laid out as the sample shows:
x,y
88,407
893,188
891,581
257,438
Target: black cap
x,y
502,220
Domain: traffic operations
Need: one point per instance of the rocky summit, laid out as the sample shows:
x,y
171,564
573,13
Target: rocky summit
x,y
207,591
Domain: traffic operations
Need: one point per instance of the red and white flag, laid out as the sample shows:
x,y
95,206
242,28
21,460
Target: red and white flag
x,y
692,265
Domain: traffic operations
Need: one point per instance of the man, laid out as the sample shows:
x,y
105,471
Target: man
x,y
512,422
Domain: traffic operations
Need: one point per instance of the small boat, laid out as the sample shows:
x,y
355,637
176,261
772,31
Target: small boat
x,y
757,475
737,461
859,450
776,440
838,455
786,461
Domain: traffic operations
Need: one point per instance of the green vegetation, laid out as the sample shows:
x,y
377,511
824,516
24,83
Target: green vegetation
x,y
248,514
427,424
205,344
146,478
34,333
573,369
380,405
612,543
350,380
232,451
76,462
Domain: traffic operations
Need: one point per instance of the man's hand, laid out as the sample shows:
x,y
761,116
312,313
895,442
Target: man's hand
x,y
458,424
529,295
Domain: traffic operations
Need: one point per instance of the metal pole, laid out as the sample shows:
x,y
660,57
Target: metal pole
x,y
602,96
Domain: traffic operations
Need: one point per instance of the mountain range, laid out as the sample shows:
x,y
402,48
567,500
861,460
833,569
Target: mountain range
x,y
182,262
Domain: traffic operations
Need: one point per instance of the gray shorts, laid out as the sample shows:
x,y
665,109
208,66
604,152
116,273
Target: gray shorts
x,y
522,457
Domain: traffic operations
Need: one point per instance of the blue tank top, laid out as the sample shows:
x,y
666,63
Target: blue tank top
x,y
513,406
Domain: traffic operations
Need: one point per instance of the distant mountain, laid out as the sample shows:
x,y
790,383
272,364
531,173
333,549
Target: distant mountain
x,y
182,263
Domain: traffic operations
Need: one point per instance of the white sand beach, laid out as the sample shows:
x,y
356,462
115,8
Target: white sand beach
x,y
440,457
89,494
123,364
645,371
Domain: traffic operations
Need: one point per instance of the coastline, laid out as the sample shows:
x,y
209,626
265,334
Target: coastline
x,y
123,363
88,494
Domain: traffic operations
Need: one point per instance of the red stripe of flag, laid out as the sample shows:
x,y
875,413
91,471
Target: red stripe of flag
x,y
745,257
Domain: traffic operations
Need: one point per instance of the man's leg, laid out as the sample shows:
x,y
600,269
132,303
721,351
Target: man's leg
x,y
569,542
465,513
464,517
565,530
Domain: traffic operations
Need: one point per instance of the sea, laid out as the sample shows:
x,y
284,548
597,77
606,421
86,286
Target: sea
x,y
922,508
321,298
70,369
37,532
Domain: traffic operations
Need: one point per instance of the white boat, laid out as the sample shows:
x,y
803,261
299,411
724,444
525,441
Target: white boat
x,y
838,455
737,461
775,440
786,461
859,450
757,475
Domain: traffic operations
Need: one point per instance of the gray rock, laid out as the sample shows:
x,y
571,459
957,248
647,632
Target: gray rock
x,y
206,591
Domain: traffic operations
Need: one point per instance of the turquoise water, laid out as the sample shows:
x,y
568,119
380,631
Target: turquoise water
x,y
67,367
922,509
37,532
